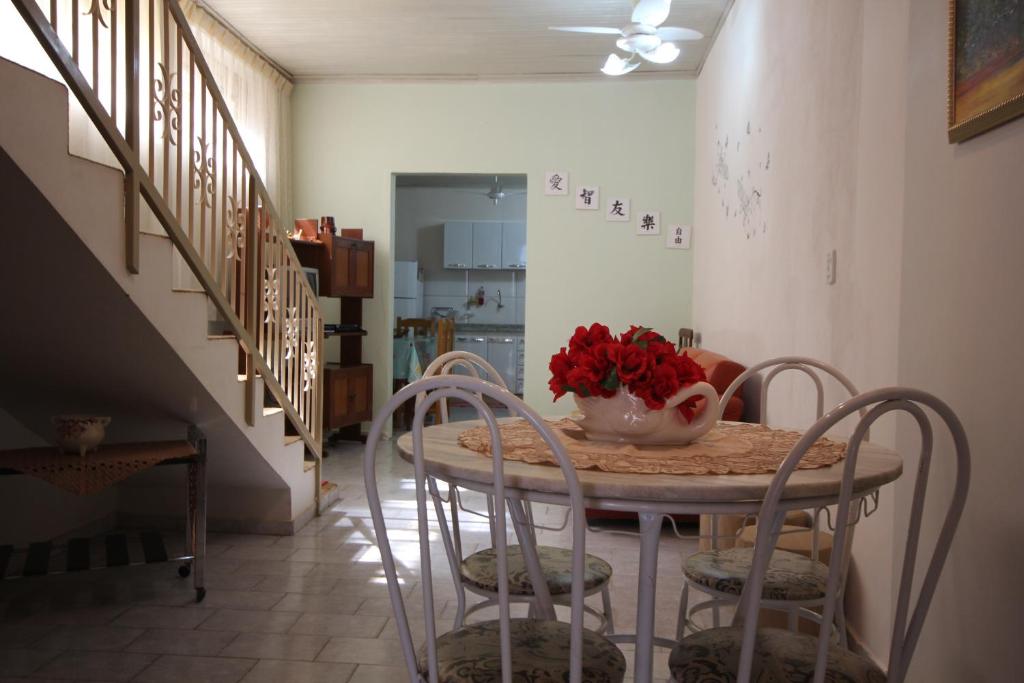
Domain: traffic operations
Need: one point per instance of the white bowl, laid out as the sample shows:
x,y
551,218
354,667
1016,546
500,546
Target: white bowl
x,y
79,433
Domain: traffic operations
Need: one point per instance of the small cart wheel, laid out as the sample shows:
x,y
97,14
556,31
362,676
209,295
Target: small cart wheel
x,y
184,570
200,594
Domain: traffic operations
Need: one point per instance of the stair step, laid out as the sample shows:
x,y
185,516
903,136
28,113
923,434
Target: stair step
x,y
223,337
328,494
289,439
307,465
271,410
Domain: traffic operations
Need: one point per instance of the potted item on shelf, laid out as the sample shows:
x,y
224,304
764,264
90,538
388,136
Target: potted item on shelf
x,y
634,388
79,433
305,229
327,226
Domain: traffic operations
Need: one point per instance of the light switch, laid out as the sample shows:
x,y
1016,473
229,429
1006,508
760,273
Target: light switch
x,y
830,267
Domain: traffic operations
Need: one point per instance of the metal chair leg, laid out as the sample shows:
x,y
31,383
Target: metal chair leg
x,y
684,617
606,601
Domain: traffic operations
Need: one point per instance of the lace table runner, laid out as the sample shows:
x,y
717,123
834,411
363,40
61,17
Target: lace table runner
x,y
96,470
729,448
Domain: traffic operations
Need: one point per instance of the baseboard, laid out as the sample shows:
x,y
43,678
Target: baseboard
x,y
857,645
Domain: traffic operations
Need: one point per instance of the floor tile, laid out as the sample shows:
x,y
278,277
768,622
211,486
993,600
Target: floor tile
x,y
181,642
175,669
96,666
250,621
297,602
315,585
339,625
372,673
278,671
164,617
88,638
274,646
362,651
22,662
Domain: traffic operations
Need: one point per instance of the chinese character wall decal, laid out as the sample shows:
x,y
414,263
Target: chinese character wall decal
x,y
678,237
588,197
556,183
617,209
648,223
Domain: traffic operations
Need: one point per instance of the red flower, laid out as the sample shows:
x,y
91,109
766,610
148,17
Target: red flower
x,y
560,366
632,364
584,338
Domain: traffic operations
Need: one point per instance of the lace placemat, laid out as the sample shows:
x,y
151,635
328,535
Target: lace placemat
x,y
729,448
96,470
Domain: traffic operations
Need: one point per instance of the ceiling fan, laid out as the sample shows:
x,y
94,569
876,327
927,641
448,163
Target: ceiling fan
x,y
497,192
644,36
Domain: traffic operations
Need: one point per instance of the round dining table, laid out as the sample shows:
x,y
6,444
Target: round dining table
x,y
651,496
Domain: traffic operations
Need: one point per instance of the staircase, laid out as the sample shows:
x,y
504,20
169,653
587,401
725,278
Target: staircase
x,y
256,390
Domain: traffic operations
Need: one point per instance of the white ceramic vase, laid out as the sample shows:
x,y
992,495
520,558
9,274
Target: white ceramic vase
x,y
625,418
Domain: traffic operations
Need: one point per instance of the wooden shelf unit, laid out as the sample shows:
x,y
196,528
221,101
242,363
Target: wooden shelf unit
x,y
345,266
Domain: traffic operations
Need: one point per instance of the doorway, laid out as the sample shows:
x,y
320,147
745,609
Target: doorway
x,y
460,256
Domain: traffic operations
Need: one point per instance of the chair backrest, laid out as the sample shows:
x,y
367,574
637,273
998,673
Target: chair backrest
x,y
471,363
808,366
445,331
420,326
473,391
905,634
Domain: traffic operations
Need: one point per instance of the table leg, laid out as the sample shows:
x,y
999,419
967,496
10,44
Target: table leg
x,y
650,533
542,605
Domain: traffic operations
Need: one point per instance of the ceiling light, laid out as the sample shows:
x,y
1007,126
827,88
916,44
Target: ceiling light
x,y
617,66
663,54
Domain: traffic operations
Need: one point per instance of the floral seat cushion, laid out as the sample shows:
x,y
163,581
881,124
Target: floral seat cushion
x,y
481,570
779,657
790,576
540,654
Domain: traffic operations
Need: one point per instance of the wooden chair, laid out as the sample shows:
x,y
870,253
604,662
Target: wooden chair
x,y
506,649
744,652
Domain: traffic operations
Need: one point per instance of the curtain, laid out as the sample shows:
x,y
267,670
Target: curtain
x,y
259,98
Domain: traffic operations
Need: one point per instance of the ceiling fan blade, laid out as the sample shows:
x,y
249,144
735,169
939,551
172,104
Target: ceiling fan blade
x,y
668,33
587,29
651,12
663,54
617,66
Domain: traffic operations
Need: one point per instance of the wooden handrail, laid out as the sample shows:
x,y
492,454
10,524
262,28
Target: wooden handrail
x,y
239,251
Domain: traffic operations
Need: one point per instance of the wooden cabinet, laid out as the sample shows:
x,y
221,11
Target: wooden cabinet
x,y
348,395
345,266
487,246
458,245
513,246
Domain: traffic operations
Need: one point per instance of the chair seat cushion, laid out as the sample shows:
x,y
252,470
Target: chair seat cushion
x,y
481,570
540,654
779,657
789,577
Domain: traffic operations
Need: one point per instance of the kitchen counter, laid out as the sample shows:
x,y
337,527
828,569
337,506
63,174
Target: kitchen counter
x,y
482,329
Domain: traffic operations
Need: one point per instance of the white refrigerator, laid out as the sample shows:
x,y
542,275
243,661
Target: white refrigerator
x,y
408,290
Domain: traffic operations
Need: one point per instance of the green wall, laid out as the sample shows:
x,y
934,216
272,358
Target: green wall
x,y
633,138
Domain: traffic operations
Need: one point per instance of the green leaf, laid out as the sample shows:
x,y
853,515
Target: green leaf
x,y
640,332
612,381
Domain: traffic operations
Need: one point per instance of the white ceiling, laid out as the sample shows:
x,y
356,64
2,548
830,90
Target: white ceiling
x,y
452,39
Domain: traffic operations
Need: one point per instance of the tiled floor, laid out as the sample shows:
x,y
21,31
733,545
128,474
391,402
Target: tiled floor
x,y
310,607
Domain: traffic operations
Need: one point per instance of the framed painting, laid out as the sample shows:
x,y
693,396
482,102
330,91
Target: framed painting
x,y
986,65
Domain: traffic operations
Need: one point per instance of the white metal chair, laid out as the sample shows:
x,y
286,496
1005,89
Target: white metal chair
x,y
744,652
505,649
477,573
795,583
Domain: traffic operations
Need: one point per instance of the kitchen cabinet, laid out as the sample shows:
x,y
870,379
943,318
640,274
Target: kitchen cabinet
x,y
487,246
477,345
501,353
458,245
513,246
348,395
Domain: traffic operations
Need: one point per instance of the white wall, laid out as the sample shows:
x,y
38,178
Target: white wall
x,y
853,94
420,215
633,138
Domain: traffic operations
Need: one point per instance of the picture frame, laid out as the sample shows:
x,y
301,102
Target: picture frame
x,y
986,66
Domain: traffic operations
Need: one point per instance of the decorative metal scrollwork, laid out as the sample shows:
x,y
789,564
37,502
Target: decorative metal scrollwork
x,y
96,11
271,289
234,222
291,332
204,173
309,366
167,102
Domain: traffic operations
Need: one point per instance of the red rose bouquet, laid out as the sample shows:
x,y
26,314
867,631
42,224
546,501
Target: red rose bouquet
x,y
639,361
